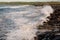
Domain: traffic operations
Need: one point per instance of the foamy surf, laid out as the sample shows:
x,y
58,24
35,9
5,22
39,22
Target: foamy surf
x,y
27,20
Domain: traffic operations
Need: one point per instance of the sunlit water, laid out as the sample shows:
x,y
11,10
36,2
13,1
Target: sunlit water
x,y
21,21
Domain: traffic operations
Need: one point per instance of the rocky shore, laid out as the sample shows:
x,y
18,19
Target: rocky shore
x,y
54,21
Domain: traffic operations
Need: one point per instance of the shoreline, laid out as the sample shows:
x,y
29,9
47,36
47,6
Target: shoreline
x,y
30,3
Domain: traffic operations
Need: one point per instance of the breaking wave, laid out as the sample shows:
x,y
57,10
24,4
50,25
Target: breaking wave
x,y
21,21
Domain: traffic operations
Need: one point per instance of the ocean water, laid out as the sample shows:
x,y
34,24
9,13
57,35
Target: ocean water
x,y
19,22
